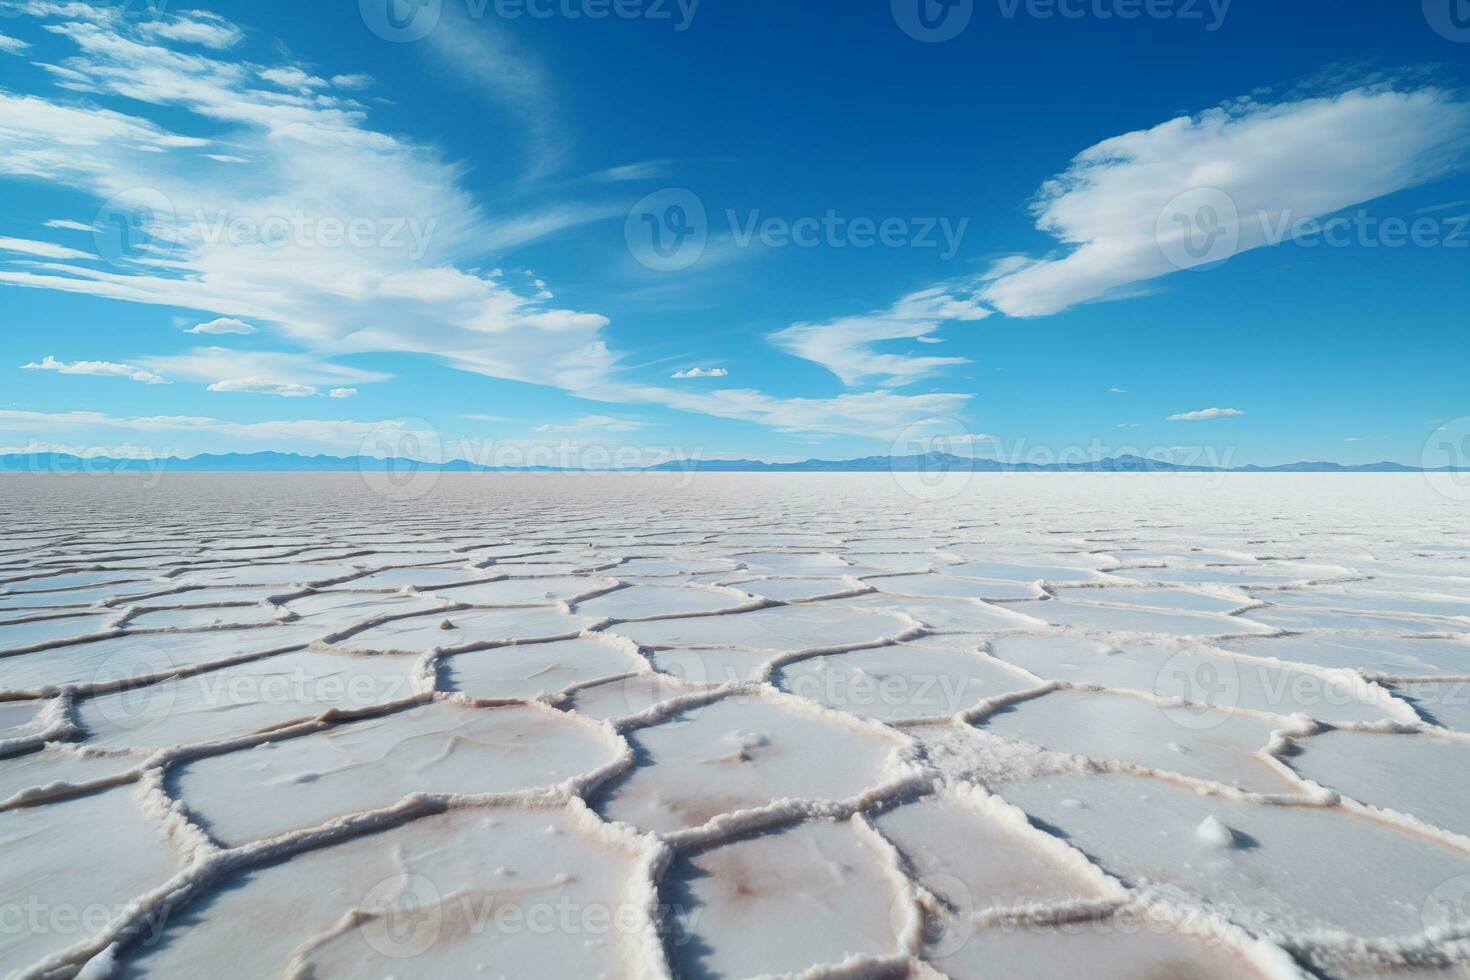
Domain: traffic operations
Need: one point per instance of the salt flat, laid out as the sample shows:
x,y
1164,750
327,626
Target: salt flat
x,y
1127,725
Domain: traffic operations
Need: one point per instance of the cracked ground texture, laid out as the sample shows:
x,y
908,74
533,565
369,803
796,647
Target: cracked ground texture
x,y
1165,726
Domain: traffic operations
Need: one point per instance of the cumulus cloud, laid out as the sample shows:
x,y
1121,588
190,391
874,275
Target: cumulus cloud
x,y
343,393
1205,414
1198,189
100,368
699,372
219,325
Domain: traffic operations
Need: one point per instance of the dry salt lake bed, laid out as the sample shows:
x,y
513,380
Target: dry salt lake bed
x,y
1113,726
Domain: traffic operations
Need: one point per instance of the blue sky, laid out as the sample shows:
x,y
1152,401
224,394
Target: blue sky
x,y
1229,232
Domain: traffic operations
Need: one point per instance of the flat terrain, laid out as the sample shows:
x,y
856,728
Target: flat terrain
x,y
1014,725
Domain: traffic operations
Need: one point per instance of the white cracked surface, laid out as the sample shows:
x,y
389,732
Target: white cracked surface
x,y
1122,726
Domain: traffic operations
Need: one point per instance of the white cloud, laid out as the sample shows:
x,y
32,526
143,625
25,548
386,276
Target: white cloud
x,y
99,368
271,372
12,45
318,148
1275,164
699,372
356,80
846,346
592,423
291,77
343,393
874,414
44,139
477,417
224,324
643,170
481,55
1205,414
69,225
225,158
126,450
341,434
264,386
194,27
45,250
1118,391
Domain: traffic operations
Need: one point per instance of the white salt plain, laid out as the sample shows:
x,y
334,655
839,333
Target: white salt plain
x,y
1112,726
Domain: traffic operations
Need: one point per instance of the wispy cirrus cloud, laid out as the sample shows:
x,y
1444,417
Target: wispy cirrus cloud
x,y
642,170
478,52
846,346
314,155
593,423
265,386
194,27
46,250
316,432
286,374
174,110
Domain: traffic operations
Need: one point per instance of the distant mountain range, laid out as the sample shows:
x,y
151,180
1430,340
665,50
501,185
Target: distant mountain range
x,y
270,462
